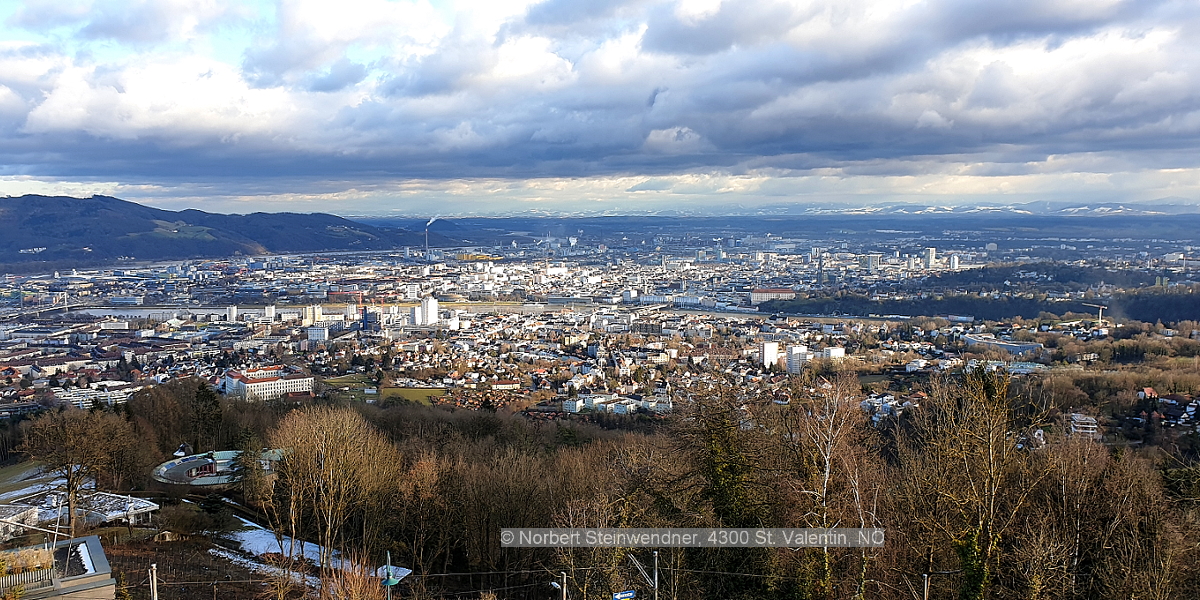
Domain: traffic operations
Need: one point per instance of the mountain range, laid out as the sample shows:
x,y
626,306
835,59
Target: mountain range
x,y
101,228
1163,206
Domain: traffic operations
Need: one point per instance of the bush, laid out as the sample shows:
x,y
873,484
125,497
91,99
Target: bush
x,y
188,519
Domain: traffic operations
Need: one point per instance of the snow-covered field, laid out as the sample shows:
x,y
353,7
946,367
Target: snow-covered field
x,y
32,480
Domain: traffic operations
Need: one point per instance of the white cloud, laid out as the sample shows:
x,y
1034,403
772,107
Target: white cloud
x,y
531,61
184,101
693,11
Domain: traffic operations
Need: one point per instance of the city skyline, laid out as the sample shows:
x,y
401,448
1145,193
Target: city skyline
x,y
377,108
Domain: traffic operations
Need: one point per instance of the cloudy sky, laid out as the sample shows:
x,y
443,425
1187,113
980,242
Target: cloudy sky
x,y
494,106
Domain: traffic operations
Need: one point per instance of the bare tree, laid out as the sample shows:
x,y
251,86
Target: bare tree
x,y
82,446
963,479
327,468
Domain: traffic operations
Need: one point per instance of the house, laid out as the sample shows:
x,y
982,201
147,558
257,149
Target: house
x,y
95,508
1177,409
1084,426
1147,393
624,407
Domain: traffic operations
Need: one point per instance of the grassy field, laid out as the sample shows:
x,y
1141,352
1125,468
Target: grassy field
x,y
873,378
357,379
23,476
358,383
421,395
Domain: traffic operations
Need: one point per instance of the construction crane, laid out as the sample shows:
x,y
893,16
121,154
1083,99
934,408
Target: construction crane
x,y
1100,311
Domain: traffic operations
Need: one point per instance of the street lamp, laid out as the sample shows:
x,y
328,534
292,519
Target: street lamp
x,y
561,586
926,577
390,580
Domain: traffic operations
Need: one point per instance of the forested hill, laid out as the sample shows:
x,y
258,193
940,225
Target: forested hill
x,y
1149,305
100,228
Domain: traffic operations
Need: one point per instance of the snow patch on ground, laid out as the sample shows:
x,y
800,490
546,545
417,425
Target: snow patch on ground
x,y
35,488
263,568
256,540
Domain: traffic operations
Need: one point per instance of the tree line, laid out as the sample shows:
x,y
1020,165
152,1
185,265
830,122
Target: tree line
x,y
964,495
1167,305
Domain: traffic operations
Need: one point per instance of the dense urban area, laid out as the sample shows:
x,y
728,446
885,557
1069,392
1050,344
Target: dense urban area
x,y
1019,413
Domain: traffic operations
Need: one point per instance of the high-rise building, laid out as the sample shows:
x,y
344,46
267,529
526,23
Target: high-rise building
x,y
954,262
929,257
427,313
797,355
371,320
770,353
231,313
269,312
312,315
870,262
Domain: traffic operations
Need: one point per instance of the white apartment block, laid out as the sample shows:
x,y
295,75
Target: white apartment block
x,y
770,353
267,383
761,295
796,356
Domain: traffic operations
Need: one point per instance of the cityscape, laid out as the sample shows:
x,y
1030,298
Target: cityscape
x,y
608,333
634,299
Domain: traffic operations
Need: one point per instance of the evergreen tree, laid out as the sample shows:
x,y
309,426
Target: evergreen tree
x,y
206,420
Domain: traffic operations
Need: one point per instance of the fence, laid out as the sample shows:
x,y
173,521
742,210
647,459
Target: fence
x,y
30,580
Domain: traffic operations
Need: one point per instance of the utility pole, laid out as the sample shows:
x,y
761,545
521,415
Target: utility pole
x,y
154,581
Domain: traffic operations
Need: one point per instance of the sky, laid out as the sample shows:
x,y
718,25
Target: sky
x,y
413,107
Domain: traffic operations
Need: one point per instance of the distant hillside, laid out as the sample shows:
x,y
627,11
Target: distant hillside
x,y
98,229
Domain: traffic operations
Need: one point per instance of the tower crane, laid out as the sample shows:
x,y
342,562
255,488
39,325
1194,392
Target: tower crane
x,y
1100,311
